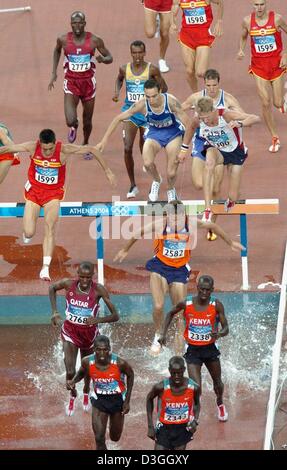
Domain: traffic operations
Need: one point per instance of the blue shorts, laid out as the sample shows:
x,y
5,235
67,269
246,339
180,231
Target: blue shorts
x,y
198,147
237,157
170,273
164,136
137,119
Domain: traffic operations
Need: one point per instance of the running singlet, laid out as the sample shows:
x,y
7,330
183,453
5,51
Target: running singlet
x,y
176,409
196,13
109,381
135,84
221,136
79,60
199,325
266,41
162,120
172,247
47,173
81,306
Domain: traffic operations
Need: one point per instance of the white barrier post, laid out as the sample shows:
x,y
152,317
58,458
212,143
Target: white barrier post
x,y
276,358
15,10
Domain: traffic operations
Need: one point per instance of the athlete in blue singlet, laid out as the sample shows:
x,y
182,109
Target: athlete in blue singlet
x,y
166,122
135,74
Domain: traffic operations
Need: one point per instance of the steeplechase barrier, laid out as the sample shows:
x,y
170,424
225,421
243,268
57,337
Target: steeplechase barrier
x,y
15,10
98,210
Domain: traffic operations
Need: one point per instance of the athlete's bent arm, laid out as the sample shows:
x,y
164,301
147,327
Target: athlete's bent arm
x,y
235,246
243,38
12,148
126,369
62,284
155,392
154,73
80,374
168,318
218,27
223,321
238,119
119,83
113,317
105,56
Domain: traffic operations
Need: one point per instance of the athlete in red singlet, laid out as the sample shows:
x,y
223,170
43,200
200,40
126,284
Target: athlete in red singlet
x,y
80,328
195,36
268,61
175,235
113,380
202,315
79,69
45,185
178,409
9,159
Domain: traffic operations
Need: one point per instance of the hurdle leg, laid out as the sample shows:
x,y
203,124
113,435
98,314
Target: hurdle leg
x,y
244,253
15,10
100,249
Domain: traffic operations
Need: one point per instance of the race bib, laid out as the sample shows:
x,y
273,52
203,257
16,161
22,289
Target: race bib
x,y
174,250
79,63
202,333
176,414
78,315
134,97
221,141
107,388
195,16
46,175
265,44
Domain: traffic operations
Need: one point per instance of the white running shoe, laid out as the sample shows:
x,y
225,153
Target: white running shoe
x,y
25,239
70,407
207,215
163,67
155,348
275,146
222,413
132,192
171,195
44,273
86,402
154,190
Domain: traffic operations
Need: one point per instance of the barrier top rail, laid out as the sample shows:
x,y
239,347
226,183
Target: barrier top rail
x,y
129,208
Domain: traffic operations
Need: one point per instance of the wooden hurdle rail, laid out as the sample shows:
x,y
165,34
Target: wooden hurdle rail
x,y
98,210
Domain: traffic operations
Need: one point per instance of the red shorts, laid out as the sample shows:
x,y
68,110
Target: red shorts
x,y
84,88
161,6
268,69
81,336
10,156
41,196
196,38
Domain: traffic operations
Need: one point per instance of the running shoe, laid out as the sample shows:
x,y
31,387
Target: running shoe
x,y
132,192
72,134
70,407
228,204
283,108
154,190
163,67
155,348
86,402
25,239
207,215
171,195
275,146
44,274
222,413
211,236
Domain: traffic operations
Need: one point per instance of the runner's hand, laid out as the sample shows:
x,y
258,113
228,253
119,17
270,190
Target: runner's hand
x,y
115,98
240,55
120,256
56,319
70,385
151,433
126,407
218,29
181,157
100,147
236,246
51,84
173,28
283,61
191,426
100,59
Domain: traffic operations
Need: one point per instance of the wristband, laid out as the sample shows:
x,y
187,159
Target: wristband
x,y
184,147
240,123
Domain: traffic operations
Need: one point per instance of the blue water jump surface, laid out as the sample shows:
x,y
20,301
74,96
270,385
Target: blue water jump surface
x,y
137,308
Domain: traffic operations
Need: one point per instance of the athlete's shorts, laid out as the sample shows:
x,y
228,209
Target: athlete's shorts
x,y
237,157
43,196
109,404
10,156
161,6
164,136
84,88
201,354
137,119
268,69
196,37
171,436
81,336
198,147
170,273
